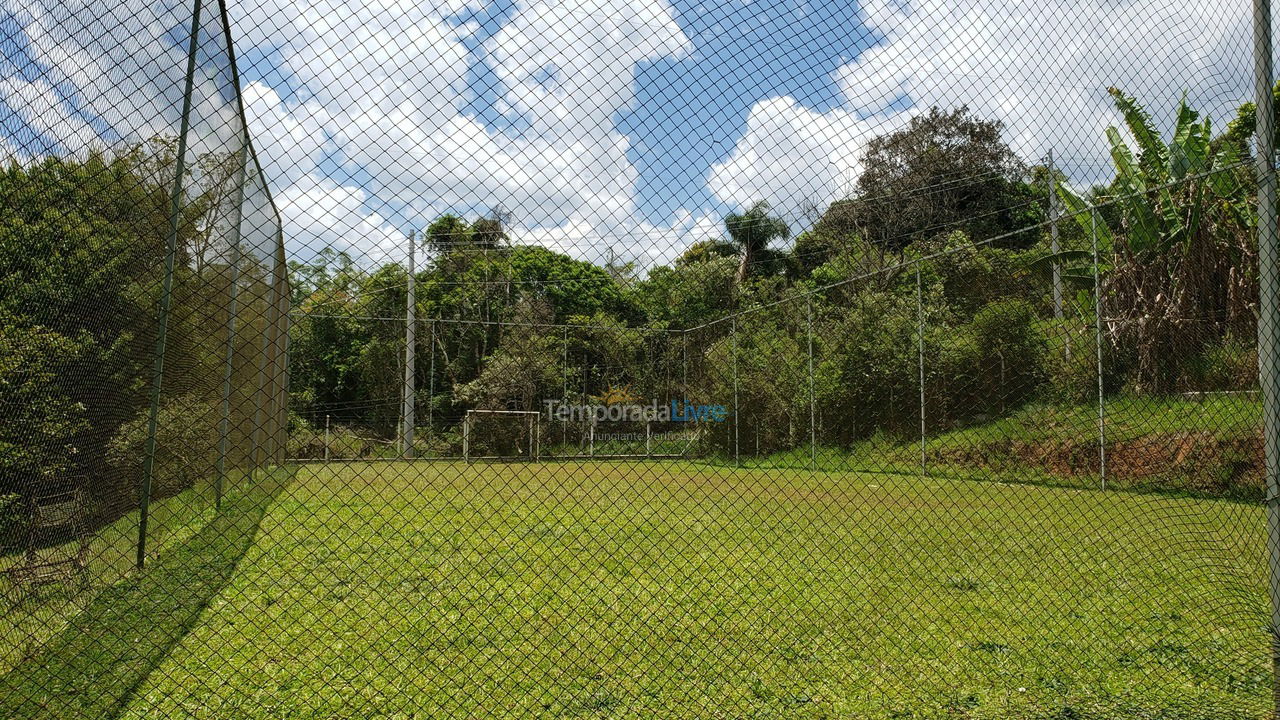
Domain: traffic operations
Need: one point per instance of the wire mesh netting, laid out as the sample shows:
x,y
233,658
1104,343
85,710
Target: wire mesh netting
x,y
643,358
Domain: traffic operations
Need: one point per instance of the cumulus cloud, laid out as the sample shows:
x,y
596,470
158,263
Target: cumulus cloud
x,y
365,121
1044,68
113,69
644,244
383,88
319,213
289,140
795,158
1041,68
53,122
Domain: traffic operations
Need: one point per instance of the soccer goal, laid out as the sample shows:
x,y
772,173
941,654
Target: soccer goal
x,y
500,435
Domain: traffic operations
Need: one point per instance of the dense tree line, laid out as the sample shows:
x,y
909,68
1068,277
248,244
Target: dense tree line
x,y
84,243
1180,292
507,325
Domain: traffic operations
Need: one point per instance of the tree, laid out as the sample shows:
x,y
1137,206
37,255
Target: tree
x,y
752,232
947,170
84,242
687,294
705,250
1183,246
39,430
446,233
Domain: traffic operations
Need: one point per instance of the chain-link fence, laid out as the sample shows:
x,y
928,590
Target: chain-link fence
x,y
638,359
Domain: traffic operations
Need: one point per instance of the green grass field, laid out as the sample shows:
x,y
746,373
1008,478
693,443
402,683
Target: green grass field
x,y
675,590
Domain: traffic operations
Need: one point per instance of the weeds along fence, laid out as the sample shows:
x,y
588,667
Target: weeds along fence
x,y
568,358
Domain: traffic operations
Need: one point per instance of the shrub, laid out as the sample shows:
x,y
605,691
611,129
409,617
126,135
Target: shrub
x,y
992,365
1229,365
186,445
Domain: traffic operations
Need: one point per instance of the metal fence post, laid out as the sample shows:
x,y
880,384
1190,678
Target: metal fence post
x,y
410,322
924,466
813,429
224,425
1097,329
737,418
326,438
166,292
564,391
431,389
1269,305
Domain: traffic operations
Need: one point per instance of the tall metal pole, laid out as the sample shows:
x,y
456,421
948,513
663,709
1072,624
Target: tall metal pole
x,y
813,428
410,323
1053,239
924,467
224,426
1097,329
736,415
431,386
1269,304
166,292
564,392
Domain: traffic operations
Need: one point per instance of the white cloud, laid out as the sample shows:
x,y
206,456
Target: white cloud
x,y
1041,68
643,243
317,213
36,104
386,82
288,140
792,157
116,65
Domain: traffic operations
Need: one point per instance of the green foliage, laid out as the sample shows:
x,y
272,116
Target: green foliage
x,y
1182,245
705,250
687,295
1071,363
752,231
1230,364
908,191
991,365
525,368
84,240
41,425
186,446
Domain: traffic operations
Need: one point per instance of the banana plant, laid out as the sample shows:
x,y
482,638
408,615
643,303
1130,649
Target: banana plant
x,y
1165,191
1177,261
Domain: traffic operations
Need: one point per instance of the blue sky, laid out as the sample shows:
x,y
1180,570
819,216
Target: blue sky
x,y
743,54
688,111
625,126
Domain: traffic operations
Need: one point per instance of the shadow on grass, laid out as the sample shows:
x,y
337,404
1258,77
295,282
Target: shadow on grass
x,y
93,668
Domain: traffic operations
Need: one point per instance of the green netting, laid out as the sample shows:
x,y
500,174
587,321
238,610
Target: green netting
x,y
137,219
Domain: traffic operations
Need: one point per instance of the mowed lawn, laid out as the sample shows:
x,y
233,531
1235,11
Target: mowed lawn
x,y
678,590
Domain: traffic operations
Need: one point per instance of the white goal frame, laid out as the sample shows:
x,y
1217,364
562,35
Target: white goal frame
x,y
531,416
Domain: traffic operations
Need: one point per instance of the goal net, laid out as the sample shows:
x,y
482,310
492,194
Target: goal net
x,y
500,434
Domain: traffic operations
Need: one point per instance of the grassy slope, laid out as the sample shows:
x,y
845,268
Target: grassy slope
x,y
1207,446
679,590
